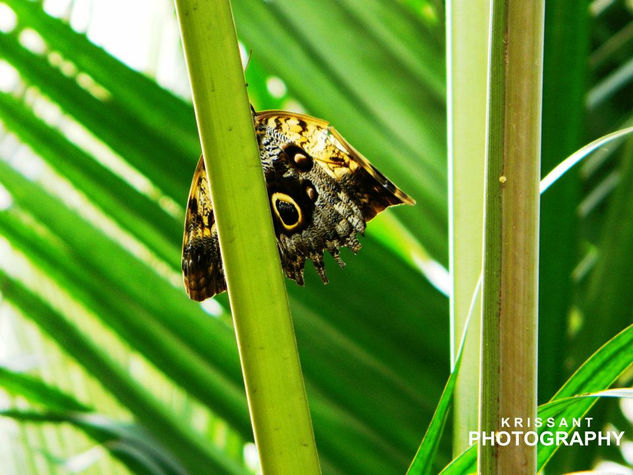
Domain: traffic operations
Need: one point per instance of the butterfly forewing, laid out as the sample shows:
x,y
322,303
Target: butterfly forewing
x,y
373,190
201,262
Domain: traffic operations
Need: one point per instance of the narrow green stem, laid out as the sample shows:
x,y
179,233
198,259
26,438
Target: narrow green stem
x,y
467,59
510,288
263,325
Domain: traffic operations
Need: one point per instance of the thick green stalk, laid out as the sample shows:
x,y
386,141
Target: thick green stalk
x,y
467,72
510,286
263,325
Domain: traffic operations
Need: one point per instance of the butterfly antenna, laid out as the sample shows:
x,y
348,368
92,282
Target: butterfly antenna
x,y
248,62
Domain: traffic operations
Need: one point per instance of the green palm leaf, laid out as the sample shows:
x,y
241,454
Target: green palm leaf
x,y
360,328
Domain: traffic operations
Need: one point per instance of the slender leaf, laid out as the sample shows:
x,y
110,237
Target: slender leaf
x,y
595,375
192,452
136,449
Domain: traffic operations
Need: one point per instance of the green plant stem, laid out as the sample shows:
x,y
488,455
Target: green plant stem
x,y
268,352
467,52
510,286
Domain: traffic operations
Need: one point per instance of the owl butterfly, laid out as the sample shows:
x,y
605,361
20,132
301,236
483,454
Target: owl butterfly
x,y
321,193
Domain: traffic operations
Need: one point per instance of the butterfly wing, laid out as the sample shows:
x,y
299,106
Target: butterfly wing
x,y
322,190
373,191
201,261
367,186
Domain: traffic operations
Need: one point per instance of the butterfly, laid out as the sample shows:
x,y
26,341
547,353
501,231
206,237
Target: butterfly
x,y
321,192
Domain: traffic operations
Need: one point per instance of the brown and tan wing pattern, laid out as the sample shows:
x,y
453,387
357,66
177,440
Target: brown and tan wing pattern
x,y
322,191
321,194
201,261
366,185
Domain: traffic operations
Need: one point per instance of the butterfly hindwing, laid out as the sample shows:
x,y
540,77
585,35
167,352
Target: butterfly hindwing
x,y
333,189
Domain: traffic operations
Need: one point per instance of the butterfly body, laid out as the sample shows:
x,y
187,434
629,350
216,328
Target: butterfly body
x,y
321,193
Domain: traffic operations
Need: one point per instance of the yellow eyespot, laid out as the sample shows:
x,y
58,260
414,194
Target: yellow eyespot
x,y
311,192
301,159
287,210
